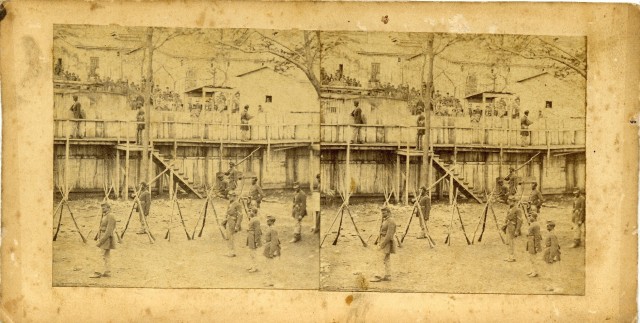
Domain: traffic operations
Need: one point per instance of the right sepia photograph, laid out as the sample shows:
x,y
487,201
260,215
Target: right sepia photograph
x,y
453,163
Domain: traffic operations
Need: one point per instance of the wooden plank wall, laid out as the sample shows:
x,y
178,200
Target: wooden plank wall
x,y
90,166
373,170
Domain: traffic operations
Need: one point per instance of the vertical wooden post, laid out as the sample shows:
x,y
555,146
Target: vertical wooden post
x,y
397,178
117,182
484,118
171,183
220,157
66,165
262,167
347,177
206,166
486,171
541,171
407,170
311,172
126,166
150,168
268,143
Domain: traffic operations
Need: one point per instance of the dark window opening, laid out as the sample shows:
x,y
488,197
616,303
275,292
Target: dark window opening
x,y
268,99
548,104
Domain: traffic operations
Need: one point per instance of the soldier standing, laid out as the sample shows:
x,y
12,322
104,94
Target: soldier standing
x,y
233,175
145,206
221,185
425,207
535,199
255,193
387,243
232,222
299,211
513,181
578,217
551,254
509,227
254,239
534,240
107,240
271,246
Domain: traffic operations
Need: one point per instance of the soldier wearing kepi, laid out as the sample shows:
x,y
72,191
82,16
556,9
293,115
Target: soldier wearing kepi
x,y
271,248
232,222
535,198
509,227
578,217
254,239
299,211
255,193
425,207
551,255
234,175
107,240
534,242
387,243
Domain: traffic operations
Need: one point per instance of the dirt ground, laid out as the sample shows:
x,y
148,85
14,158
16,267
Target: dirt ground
x,y
182,263
458,268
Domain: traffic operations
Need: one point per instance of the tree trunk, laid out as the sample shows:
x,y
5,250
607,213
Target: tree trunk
x,y
147,106
426,95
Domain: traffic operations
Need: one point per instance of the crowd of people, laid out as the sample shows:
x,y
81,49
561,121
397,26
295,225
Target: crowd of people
x,y
338,79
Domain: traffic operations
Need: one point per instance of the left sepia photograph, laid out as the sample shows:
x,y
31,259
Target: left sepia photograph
x,y
186,158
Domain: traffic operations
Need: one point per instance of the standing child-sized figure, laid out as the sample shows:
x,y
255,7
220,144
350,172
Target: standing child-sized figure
x,y
271,247
387,243
509,227
254,239
107,240
578,217
315,205
551,255
534,242
232,222
299,211
255,193
421,131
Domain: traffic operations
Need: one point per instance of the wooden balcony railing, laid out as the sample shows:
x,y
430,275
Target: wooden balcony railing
x,y
180,130
454,136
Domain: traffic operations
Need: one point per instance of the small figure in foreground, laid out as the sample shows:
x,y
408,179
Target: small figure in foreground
x,y
271,247
535,198
509,227
107,240
299,211
254,239
578,217
387,243
551,255
534,242
232,222
255,193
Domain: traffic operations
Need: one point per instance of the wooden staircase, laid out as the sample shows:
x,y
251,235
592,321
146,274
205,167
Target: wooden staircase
x,y
179,177
458,181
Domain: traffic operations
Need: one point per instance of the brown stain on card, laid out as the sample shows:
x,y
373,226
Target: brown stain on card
x,y
348,299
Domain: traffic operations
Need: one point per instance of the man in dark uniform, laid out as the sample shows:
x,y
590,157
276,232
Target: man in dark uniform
x,y
578,217
509,227
425,207
255,193
78,113
221,185
299,211
551,255
232,222
357,120
503,191
387,243
535,198
145,207
513,181
233,175
107,240
140,126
